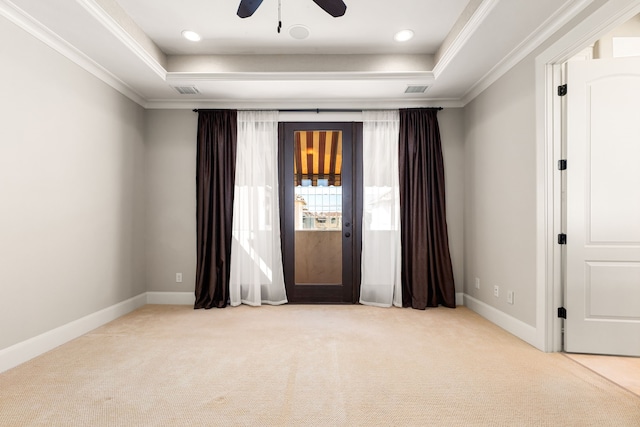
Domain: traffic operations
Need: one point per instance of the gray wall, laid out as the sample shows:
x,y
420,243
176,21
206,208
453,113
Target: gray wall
x,y
171,215
71,191
171,199
450,121
500,186
500,193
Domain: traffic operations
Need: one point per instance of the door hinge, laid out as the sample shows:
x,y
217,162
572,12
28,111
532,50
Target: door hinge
x,y
562,239
562,164
562,90
562,312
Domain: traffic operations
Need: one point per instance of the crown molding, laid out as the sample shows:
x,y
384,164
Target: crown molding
x,y
464,35
609,16
248,104
534,40
123,36
382,62
19,17
299,76
23,20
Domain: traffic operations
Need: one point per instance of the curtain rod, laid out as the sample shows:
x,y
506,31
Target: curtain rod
x,y
328,110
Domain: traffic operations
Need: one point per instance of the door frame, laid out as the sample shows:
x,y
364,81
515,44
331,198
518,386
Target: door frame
x,y
352,248
549,149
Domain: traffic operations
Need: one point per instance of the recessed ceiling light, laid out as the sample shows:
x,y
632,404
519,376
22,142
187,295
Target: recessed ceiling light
x,y
403,36
191,35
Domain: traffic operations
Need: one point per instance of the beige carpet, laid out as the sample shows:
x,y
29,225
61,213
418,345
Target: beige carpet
x,y
305,366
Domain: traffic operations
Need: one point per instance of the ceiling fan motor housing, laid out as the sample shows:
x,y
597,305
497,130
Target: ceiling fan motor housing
x,y
334,8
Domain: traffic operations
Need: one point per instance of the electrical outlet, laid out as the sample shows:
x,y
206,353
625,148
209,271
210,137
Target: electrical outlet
x,y
496,291
477,283
510,297
178,277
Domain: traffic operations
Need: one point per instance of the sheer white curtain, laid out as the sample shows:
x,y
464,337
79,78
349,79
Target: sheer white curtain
x,y
381,251
256,257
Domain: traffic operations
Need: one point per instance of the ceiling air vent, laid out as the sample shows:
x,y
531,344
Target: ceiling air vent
x,y
187,90
416,89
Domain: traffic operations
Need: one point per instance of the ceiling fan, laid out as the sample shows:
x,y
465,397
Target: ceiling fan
x,y
334,8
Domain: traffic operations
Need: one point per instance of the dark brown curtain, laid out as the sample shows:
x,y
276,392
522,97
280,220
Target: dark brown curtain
x,y
427,274
215,175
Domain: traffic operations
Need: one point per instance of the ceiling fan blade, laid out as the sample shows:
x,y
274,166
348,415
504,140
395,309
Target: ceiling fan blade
x,y
334,8
248,7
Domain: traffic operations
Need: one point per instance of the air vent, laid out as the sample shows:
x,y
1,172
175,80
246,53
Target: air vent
x,y
187,90
416,89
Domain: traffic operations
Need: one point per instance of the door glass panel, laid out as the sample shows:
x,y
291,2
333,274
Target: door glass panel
x,y
318,207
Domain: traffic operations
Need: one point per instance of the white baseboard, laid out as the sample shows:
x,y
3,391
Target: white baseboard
x,y
17,354
172,298
459,298
13,356
188,298
517,327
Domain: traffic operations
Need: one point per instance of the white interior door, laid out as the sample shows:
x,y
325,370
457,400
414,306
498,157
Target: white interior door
x,y
603,207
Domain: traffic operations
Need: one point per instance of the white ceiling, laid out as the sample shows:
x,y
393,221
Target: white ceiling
x,y
368,26
460,46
